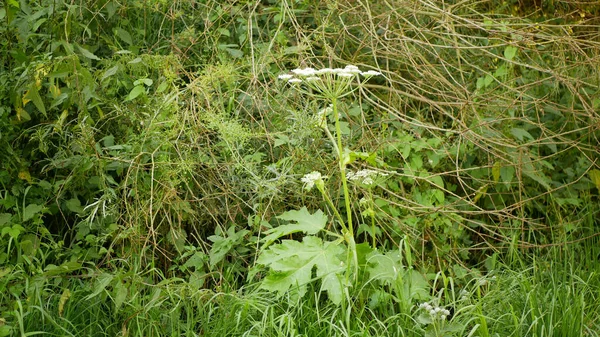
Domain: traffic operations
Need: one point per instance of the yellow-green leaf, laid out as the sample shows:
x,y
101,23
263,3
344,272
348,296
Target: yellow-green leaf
x,y
496,171
595,177
33,95
87,53
63,300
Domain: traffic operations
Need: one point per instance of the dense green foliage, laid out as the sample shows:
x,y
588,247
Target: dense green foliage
x,y
157,170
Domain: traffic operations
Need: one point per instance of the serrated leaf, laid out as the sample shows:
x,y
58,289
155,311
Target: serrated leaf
x,y
301,221
31,210
87,53
223,245
292,264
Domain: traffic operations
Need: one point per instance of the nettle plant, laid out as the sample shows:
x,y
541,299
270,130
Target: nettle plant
x,y
331,252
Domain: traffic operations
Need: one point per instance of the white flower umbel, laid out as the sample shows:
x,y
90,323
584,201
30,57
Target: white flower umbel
x,y
370,73
311,179
327,82
435,312
365,176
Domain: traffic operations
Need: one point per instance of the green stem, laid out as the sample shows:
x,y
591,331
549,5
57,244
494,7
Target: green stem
x,y
338,131
349,235
335,211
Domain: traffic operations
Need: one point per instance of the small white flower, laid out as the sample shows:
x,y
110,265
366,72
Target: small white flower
x,y
345,74
365,176
294,80
310,179
370,73
305,72
324,71
352,69
285,76
313,78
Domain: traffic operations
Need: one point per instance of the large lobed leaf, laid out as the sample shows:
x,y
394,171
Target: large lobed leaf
x,y
292,264
300,221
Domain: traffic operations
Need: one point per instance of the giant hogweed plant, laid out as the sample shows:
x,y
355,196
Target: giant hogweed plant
x,y
332,251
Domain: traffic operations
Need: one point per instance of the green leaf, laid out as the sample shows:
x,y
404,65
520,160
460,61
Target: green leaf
x,y
74,205
110,72
530,171
488,80
67,267
385,267
34,96
222,245
162,87
521,134
13,231
595,177
87,53
135,92
31,210
124,35
101,283
301,221
235,53
292,266
501,71
437,181
148,82
5,218
510,52
120,294
496,171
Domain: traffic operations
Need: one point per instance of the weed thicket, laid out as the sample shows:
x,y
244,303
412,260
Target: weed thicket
x,y
157,165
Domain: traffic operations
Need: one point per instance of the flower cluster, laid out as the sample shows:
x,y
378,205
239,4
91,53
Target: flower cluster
x,y
300,75
435,311
311,179
365,176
